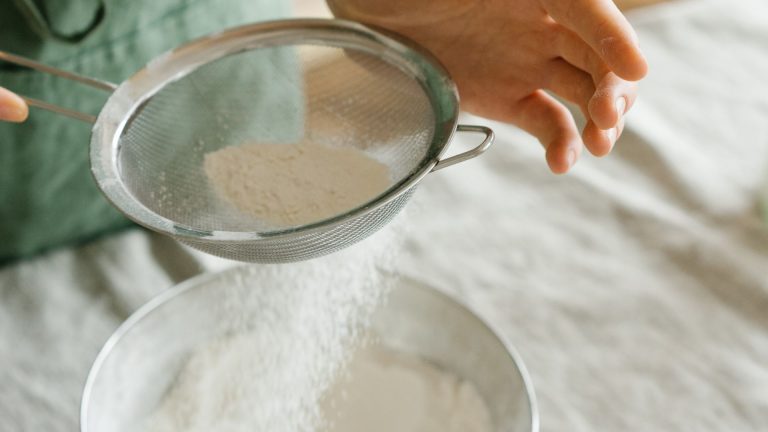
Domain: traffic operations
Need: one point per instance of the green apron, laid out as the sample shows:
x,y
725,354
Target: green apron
x,y
47,195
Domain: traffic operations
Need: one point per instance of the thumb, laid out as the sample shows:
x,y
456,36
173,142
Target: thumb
x,y
12,107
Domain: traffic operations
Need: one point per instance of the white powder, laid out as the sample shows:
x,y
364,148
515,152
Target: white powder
x,y
272,375
295,184
387,391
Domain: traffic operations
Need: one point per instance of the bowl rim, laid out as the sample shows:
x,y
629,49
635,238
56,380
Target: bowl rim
x,y
514,355
204,278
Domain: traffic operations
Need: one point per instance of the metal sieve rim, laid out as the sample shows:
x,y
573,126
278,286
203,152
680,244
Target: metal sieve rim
x,y
173,65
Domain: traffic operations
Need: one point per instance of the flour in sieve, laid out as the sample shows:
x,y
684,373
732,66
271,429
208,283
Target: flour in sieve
x,y
295,184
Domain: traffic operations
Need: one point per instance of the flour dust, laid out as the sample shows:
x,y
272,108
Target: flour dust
x,y
297,332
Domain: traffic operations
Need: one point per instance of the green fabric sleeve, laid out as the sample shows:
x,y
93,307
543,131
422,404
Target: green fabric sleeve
x,y
47,195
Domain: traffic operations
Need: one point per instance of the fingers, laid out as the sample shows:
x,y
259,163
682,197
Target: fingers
x,y
570,83
12,107
604,103
552,124
612,99
573,49
600,142
603,27
613,96
603,107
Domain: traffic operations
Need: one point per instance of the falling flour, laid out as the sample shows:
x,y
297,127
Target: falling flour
x,y
295,184
293,330
387,391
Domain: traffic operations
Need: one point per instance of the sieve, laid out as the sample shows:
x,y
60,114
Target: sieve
x,y
334,82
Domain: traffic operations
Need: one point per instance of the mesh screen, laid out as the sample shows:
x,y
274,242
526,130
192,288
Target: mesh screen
x,y
285,94
280,249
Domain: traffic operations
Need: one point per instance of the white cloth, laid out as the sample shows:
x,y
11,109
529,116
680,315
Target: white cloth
x,y
635,288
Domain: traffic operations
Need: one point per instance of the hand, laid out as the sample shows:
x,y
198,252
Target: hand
x,y
12,107
503,54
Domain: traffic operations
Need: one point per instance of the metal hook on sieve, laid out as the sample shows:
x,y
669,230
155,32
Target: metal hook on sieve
x,y
467,155
31,64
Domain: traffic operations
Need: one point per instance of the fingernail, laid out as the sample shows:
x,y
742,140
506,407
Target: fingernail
x,y
571,157
612,135
621,105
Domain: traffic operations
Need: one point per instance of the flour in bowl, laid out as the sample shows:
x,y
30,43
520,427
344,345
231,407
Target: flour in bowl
x,y
295,184
388,391
226,386
293,329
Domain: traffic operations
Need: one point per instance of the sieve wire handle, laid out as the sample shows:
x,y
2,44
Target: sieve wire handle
x,y
470,154
31,64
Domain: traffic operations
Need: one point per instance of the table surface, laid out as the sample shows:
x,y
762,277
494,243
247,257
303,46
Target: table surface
x,y
635,288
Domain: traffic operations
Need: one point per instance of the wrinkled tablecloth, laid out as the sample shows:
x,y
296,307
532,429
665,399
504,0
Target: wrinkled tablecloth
x,y
635,288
